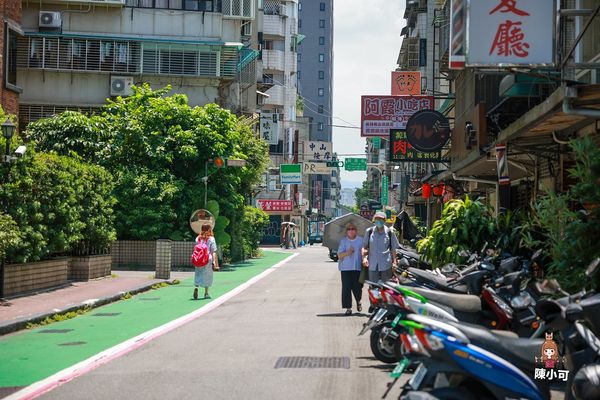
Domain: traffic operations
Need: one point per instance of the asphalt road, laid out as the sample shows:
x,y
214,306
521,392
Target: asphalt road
x,y
231,352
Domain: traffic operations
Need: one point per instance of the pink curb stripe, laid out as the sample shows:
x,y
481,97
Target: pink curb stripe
x,y
68,374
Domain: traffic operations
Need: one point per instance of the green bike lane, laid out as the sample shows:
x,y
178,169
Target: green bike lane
x,y
30,356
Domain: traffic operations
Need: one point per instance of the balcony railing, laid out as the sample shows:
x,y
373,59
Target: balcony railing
x,y
276,96
273,25
108,3
273,60
133,57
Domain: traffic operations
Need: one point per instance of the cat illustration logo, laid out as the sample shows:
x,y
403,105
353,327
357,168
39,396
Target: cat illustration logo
x,y
549,361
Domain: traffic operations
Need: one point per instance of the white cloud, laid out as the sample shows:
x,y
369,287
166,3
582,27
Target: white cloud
x,y
366,45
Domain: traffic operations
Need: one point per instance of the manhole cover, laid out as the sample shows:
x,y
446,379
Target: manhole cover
x,y
313,362
72,344
106,314
150,298
55,331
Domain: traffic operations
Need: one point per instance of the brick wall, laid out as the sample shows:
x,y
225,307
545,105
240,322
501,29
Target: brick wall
x,y
86,268
21,278
10,9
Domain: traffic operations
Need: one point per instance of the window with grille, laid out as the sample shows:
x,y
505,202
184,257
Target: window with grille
x,y
321,109
322,6
32,112
242,9
321,74
179,60
321,23
321,92
78,54
10,55
188,5
321,57
321,40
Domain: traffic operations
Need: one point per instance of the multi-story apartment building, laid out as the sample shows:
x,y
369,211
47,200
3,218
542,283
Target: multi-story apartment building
x,y
10,31
75,54
315,81
277,67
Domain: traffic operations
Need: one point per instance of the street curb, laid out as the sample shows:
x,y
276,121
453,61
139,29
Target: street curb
x,y
20,324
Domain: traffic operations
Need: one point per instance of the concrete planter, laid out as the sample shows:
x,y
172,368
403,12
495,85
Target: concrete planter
x,y
28,277
89,267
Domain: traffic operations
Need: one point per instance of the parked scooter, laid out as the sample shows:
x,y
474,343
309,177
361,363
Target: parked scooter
x,y
461,361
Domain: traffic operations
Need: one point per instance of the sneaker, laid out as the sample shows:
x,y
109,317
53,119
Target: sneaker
x,y
207,296
359,307
348,312
196,294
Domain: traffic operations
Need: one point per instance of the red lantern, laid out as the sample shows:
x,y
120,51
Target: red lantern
x,y
426,189
438,190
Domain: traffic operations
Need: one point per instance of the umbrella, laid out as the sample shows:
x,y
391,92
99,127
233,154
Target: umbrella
x,y
335,229
293,225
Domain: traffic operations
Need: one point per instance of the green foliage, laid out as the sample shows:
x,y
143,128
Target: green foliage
x,y
9,233
568,236
362,194
157,146
464,225
420,225
59,317
60,205
253,225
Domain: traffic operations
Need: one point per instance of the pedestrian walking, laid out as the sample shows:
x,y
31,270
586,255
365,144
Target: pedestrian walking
x,y
203,277
379,249
349,264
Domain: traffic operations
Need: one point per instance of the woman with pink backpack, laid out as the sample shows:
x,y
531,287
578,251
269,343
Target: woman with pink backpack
x,y
205,260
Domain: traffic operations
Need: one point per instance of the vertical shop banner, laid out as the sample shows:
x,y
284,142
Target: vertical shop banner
x,y
422,52
269,127
406,83
458,29
502,165
510,32
317,195
379,114
384,190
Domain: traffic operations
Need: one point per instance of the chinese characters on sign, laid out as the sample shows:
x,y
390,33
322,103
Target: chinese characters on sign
x,y
275,205
379,114
318,151
401,150
406,83
269,127
550,360
510,32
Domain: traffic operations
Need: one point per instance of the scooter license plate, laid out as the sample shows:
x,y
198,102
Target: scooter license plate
x,y
380,314
417,379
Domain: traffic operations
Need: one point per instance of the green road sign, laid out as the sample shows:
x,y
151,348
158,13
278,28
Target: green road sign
x,y
356,164
377,142
335,164
384,190
290,174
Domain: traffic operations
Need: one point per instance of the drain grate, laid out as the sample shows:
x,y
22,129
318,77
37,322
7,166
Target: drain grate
x,y
72,343
106,314
149,298
55,331
313,362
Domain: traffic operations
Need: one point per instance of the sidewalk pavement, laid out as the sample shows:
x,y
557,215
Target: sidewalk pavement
x,y
17,312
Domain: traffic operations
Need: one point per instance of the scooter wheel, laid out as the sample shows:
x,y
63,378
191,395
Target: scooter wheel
x,y
379,351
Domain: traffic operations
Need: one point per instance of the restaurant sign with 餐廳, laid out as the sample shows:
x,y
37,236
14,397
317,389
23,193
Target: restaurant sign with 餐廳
x,y
379,114
402,151
275,205
503,33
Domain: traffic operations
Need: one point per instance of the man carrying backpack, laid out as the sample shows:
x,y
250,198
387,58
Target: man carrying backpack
x,y
379,250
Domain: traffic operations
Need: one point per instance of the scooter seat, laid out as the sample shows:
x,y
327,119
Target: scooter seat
x,y
520,352
459,302
437,281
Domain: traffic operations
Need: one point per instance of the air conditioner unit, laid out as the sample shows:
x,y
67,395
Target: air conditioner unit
x,y
50,19
120,85
283,10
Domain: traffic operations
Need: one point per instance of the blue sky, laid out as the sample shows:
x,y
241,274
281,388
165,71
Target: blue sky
x,y
366,45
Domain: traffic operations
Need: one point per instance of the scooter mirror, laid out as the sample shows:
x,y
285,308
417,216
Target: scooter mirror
x,y
593,267
463,253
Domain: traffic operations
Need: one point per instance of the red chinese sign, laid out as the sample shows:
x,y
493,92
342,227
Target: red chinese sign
x,y
379,114
275,205
510,32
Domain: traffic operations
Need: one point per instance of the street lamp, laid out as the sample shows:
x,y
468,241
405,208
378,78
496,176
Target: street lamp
x,y
8,131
